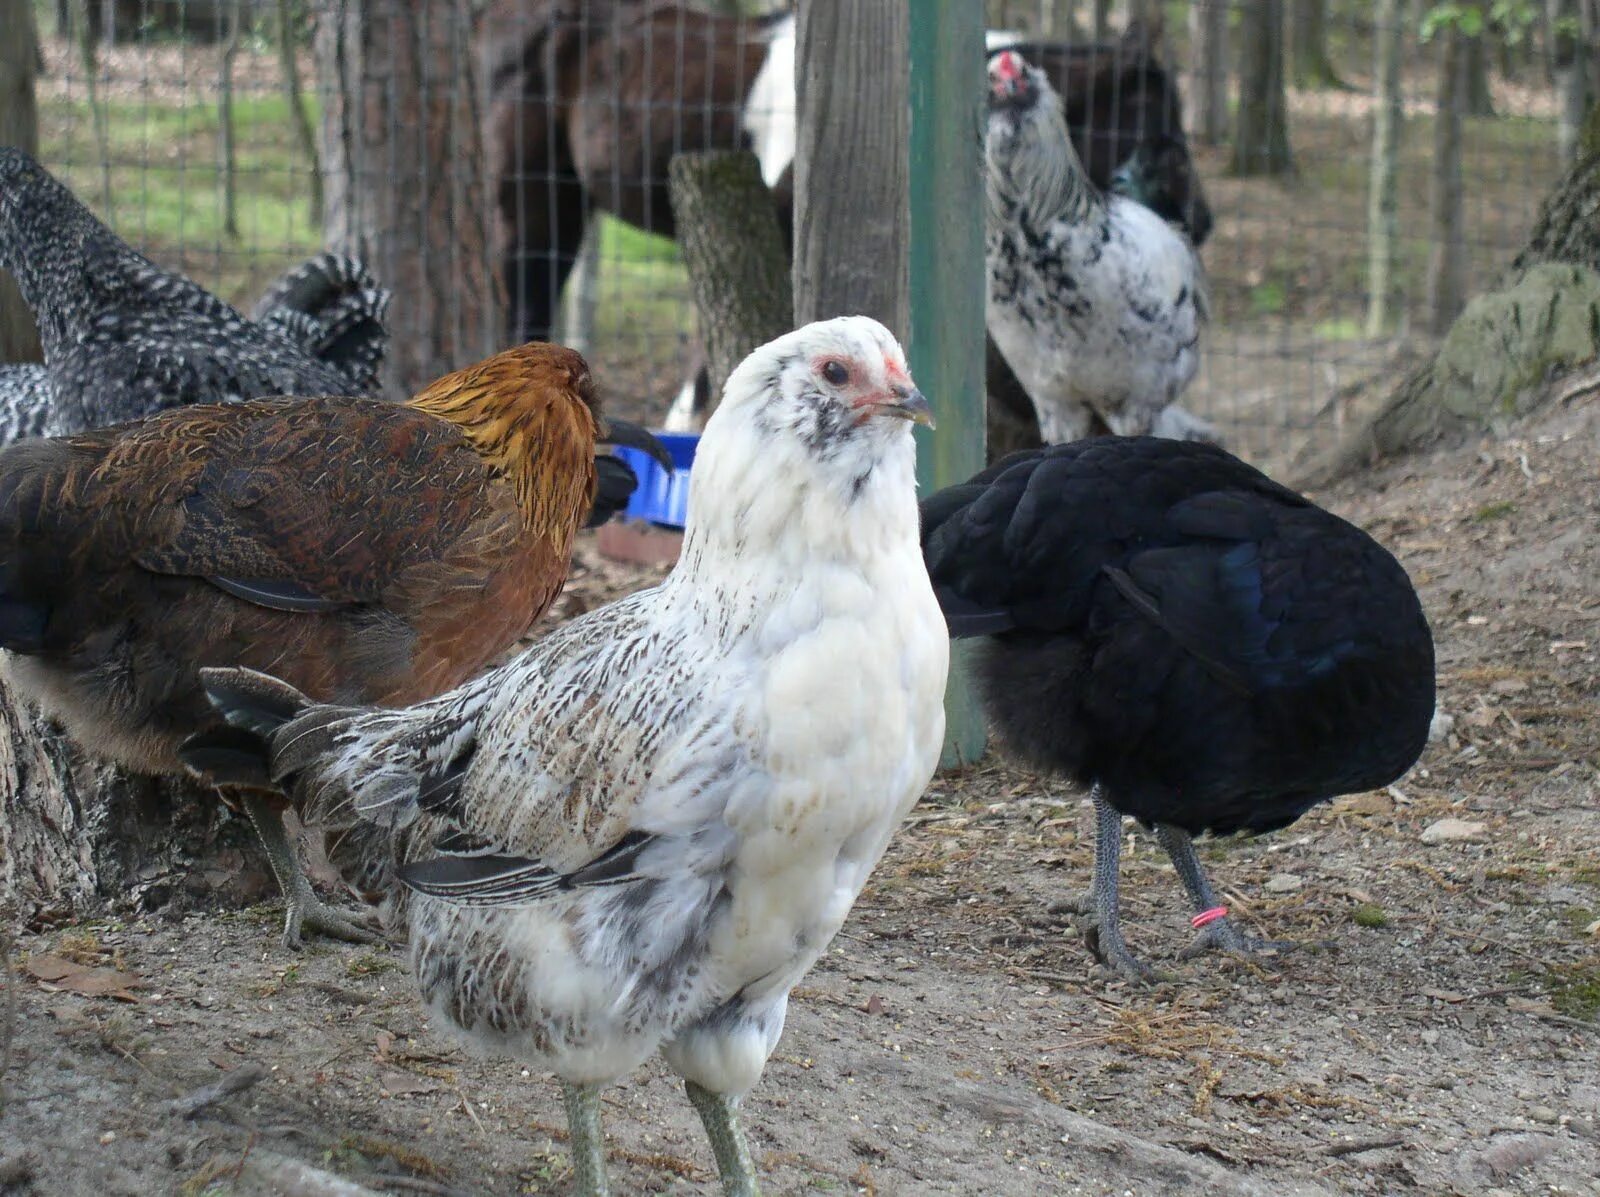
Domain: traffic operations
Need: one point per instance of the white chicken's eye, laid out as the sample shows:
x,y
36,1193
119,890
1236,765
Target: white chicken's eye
x,y
835,374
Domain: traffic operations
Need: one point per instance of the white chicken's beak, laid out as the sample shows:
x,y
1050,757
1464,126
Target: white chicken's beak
x,y
908,403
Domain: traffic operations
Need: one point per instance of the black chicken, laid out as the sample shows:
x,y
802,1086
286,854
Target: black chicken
x,y
1206,649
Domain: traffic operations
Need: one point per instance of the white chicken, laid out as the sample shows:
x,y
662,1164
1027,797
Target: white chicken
x,y
656,818
1095,301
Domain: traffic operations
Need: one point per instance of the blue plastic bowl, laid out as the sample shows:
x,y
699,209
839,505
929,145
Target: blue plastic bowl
x,y
662,498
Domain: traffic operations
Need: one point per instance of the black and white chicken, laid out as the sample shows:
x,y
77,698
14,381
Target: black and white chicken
x,y
330,305
655,819
1206,649
1096,303
124,339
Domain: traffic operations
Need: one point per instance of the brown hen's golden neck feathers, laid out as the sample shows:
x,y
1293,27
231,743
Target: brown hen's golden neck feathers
x,y
530,412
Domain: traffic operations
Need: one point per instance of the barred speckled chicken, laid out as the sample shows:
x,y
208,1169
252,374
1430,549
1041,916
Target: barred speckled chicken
x,y
1096,303
124,339
330,305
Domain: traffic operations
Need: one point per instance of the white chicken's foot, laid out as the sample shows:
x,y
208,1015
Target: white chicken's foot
x,y
720,1116
586,1140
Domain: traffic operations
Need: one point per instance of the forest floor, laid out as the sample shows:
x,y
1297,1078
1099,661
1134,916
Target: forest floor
x,y
956,1038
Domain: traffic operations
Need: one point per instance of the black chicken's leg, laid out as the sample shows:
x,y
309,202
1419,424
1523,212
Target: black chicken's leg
x,y
1218,932
1103,930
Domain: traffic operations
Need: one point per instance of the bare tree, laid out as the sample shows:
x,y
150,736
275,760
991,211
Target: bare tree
x,y
1383,194
226,140
1208,76
1261,134
404,165
19,126
1447,257
289,69
734,250
1479,99
1312,66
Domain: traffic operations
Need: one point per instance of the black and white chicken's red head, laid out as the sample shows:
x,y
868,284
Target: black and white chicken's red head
x,y
1013,84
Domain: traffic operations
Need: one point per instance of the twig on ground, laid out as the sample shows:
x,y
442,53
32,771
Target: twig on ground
x,y
1357,1146
237,1081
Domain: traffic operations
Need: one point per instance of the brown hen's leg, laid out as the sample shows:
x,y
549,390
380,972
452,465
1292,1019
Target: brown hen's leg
x,y
303,910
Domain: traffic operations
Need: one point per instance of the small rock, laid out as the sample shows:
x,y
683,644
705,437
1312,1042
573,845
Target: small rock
x,y
1439,726
1430,1037
1284,883
1593,928
1454,831
1543,1114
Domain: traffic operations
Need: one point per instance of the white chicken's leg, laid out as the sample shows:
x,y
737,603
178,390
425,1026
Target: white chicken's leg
x,y
303,910
586,1140
720,1116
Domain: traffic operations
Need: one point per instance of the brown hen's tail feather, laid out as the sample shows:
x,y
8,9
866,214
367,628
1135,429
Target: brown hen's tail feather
x,y
273,731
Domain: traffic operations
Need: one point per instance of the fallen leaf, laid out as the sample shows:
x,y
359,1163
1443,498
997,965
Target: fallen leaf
x,y
404,1084
1454,831
1373,803
58,974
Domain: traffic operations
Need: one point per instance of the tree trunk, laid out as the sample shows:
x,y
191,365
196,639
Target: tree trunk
x,y
1572,33
1208,79
1312,66
76,834
735,253
1447,256
1261,135
1479,98
1100,23
853,123
226,140
1568,225
19,126
405,190
1383,227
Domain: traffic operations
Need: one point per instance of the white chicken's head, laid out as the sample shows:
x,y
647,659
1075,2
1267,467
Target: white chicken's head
x,y
829,386
813,422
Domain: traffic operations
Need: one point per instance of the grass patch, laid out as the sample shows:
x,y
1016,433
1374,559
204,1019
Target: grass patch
x,y
166,185
1575,988
1493,511
1369,915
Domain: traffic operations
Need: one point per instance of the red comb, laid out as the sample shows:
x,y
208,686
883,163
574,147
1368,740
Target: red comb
x,y
1009,65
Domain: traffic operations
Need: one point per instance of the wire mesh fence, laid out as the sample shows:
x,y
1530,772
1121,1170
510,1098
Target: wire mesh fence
x,y
213,135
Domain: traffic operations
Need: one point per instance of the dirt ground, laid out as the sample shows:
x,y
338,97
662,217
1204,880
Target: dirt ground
x,y
956,1038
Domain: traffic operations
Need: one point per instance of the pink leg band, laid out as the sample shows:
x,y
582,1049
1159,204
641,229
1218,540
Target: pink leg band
x,y
1208,916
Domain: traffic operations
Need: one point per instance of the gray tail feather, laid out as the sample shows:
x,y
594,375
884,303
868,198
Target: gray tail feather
x,y
334,308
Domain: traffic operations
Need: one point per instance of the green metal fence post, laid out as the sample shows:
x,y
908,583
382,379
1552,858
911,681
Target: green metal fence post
x,y
947,278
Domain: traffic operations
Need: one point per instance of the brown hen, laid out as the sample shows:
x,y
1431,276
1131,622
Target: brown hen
x,y
365,551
